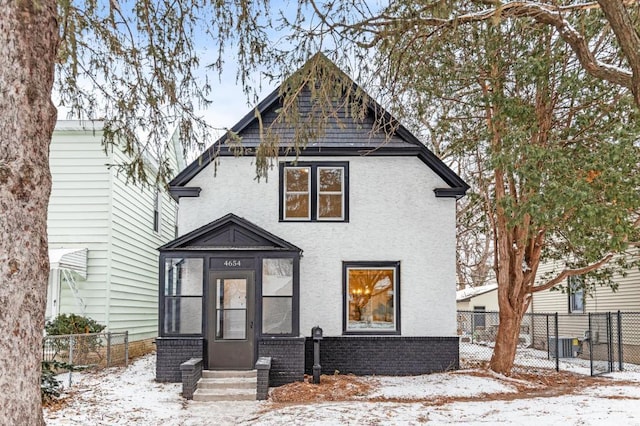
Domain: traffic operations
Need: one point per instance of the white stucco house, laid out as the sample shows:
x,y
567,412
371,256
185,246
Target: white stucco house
x,y
356,236
103,235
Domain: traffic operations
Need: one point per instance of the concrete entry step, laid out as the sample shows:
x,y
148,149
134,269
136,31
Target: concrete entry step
x,y
226,385
228,382
213,374
224,395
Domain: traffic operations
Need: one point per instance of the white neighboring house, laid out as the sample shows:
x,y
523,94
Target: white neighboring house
x,y
103,234
483,298
357,236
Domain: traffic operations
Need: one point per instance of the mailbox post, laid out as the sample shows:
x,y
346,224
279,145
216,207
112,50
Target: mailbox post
x,y
316,335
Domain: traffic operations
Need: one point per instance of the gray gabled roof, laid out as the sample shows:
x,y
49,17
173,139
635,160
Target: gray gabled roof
x,y
337,140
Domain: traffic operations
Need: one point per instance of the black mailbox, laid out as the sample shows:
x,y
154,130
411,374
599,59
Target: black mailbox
x,y
316,333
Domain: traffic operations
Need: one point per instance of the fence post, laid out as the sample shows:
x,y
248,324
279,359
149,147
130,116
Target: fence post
x,y
557,342
620,346
126,348
70,357
546,317
473,325
590,345
108,349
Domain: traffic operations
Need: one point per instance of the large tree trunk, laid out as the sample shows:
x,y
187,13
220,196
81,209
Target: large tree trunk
x,y
504,353
28,45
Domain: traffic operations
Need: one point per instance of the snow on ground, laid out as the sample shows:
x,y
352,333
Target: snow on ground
x,y
119,396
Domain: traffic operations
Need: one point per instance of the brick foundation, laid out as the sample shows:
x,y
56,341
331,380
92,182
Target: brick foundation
x,y
287,359
173,351
384,355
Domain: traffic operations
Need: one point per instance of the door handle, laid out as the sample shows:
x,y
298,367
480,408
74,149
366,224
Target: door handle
x,y
251,325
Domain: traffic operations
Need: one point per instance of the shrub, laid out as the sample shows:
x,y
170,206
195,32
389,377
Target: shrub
x,y
76,325
72,324
50,386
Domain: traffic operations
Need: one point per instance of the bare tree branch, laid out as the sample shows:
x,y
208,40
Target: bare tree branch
x,y
572,272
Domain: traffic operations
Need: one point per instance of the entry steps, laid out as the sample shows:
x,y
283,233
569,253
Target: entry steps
x,y
227,385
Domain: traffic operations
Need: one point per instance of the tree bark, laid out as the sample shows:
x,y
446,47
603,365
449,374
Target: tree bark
x,y
28,46
504,352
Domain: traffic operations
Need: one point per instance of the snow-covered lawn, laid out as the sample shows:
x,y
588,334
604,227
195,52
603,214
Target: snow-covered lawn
x,y
130,396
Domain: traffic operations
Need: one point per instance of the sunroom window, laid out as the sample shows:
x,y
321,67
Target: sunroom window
x,y
277,296
314,192
183,296
371,297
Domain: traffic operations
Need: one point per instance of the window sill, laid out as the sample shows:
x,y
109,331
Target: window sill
x,y
371,333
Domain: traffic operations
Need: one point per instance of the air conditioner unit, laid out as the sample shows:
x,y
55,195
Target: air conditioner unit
x,y
568,347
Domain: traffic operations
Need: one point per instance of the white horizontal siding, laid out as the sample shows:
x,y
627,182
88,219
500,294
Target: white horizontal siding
x,y
93,207
79,203
602,299
78,215
133,291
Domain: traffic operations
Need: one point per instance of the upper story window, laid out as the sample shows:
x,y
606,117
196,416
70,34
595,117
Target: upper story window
x,y
576,295
311,192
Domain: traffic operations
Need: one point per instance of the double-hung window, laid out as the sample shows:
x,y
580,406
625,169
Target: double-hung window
x,y
576,294
314,192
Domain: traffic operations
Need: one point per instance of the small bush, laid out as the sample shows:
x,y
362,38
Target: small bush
x,y
50,386
72,324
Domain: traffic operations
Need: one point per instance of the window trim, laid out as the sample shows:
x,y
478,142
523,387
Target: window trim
x,y
346,265
164,297
573,294
295,314
314,190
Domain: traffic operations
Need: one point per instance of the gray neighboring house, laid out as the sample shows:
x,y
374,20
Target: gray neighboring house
x,y
103,235
356,236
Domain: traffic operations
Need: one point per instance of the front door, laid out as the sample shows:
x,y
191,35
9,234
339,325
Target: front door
x,y
230,320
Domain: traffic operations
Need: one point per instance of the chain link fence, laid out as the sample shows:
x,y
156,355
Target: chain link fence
x,y
87,351
593,343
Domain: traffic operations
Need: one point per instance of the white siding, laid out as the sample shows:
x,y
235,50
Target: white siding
x,y
394,216
133,292
92,207
603,299
78,213
489,300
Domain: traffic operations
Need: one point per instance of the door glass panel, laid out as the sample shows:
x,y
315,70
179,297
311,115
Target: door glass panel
x,y
232,325
231,308
232,293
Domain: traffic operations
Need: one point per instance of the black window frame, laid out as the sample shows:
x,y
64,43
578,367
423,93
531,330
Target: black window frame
x,y
313,190
346,265
162,314
295,296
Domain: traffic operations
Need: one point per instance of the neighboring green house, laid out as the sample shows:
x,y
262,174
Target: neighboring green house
x,y
103,235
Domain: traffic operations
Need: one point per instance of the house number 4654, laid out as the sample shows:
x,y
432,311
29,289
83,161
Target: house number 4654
x,y
232,263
